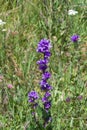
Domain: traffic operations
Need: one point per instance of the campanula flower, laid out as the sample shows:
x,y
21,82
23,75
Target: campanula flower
x,y
45,86
47,105
44,46
46,75
74,38
33,95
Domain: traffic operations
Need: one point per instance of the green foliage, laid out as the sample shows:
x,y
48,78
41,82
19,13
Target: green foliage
x,y
27,21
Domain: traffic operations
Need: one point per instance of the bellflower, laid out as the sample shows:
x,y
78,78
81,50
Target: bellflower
x,y
47,55
46,75
44,99
46,96
42,61
42,64
44,46
33,96
74,38
45,86
47,105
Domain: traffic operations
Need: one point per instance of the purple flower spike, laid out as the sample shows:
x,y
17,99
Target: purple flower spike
x,y
44,99
47,55
47,94
45,86
46,76
42,64
42,61
33,96
74,38
47,105
44,46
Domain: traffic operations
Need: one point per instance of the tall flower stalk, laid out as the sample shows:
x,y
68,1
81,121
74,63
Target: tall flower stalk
x,y
44,47
33,96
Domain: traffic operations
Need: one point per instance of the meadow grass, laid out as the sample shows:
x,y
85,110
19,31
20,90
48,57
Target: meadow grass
x,y
27,22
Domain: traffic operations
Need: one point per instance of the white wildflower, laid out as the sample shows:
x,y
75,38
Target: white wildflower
x,y
2,23
72,12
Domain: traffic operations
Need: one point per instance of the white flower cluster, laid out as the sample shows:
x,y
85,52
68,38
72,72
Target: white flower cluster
x,y
72,12
2,23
